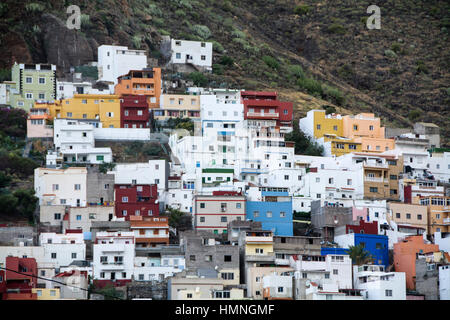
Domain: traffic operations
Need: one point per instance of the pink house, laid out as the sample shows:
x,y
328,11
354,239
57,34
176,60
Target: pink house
x,y
37,126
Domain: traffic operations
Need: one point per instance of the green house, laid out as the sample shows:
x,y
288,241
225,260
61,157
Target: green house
x,y
34,82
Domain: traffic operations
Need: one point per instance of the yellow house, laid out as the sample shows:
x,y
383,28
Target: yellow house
x,y
326,124
352,133
259,243
104,107
47,294
339,146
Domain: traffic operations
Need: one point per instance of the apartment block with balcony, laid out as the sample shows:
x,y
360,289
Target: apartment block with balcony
x,y
63,249
214,212
19,280
38,123
266,106
113,258
150,231
438,213
276,287
408,216
134,112
136,200
178,106
146,82
180,52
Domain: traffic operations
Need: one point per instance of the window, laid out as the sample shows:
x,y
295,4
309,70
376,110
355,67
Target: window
x,y
53,255
203,44
438,215
280,289
388,293
282,214
408,216
258,279
178,55
255,214
286,177
203,57
349,182
393,177
355,127
335,271
223,219
92,216
100,158
208,258
42,96
373,189
124,199
192,258
227,258
74,255
102,275
77,186
318,127
269,214
29,80
55,187
352,146
228,276
419,217
189,296
397,215
238,205
156,181
327,276
335,128
318,196
259,251
78,217
57,216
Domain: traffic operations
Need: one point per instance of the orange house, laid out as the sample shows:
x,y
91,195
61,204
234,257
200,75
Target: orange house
x,y
405,257
145,82
150,231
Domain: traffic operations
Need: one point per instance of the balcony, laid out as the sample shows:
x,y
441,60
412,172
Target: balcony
x,y
446,221
260,258
376,179
273,115
375,165
256,239
282,262
112,247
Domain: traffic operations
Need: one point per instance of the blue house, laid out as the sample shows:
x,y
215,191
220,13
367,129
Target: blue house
x,y
376,245
274,212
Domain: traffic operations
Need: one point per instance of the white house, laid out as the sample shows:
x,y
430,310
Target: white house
x,y
337,268
277,286
144,271
76,142
116,61
153,172
113,257
377,284
61,186
63,249
198,53
444,282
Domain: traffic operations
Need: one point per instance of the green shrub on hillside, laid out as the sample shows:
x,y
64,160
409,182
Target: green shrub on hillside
x,y
296,70
202,31
198,78
226,61
271,62
217,46
311,86
34,7
336,28
414,115
302,9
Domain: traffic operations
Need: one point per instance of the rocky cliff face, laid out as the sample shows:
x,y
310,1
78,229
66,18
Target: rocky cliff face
x,y
64,47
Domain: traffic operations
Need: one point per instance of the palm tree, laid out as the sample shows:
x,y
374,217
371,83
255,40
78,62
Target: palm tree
x,y
359,256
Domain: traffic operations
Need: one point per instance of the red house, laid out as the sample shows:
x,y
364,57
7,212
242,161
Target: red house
x,y
136,200
363,227
134,112
21,278
260,105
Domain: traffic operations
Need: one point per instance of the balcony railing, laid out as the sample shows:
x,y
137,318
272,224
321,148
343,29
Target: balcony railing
x,y
446,221
263,115
376,179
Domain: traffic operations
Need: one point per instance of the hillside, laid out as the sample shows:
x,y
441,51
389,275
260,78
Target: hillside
x,y
313,52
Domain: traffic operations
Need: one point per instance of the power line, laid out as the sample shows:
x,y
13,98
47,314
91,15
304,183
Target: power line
x,y
59,282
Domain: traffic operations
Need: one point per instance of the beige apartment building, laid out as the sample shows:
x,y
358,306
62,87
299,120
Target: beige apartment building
x,y
195,288
405,214
214,212
381,177
438,213
177,106
255,277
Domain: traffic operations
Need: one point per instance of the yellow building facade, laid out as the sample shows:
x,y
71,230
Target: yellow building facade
x,y
105,108
47,294
351,133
